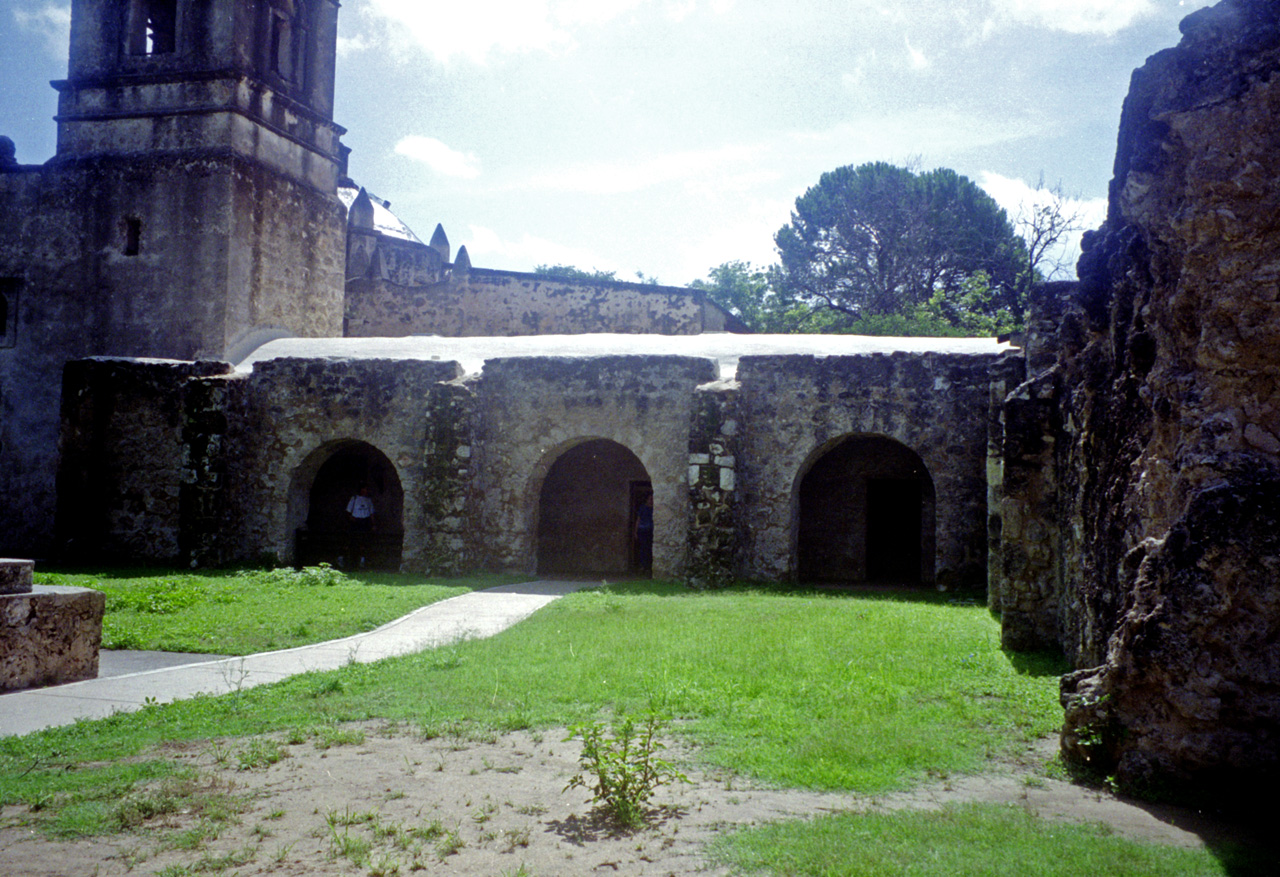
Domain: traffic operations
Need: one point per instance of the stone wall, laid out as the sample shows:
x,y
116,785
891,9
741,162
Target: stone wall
x,y
124,461
1169,419
483,302
467,466
794,409
294,415
531,411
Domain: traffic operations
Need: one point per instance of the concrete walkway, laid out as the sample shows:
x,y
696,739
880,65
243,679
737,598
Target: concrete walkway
x,y
468,616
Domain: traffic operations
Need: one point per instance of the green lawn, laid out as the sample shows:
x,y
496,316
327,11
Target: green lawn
x,y
972,840
861,692
239,613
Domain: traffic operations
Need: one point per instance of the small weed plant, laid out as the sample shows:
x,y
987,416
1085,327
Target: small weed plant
x,y
621,767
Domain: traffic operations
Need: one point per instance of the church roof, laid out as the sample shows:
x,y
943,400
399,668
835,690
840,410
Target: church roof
x,y
384,221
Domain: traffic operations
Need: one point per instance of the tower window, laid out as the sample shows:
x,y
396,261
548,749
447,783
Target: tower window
x,y
8,311
132,236
281,48
152,27
289,35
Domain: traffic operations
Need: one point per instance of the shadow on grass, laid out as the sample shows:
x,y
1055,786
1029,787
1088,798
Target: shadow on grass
x,y
862,590
1038,664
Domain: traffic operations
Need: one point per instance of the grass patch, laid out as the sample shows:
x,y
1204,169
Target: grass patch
x,y
974,839
827,691
248,611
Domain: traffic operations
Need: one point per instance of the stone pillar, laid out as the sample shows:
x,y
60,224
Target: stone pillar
x,y
1027,592
446,484
713,450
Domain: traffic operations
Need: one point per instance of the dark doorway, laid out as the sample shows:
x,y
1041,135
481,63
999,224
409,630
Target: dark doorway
x,y
586,511
866,514
328,535
893,529
640,527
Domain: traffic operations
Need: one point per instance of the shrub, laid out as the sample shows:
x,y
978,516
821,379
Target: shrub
x,y
623,771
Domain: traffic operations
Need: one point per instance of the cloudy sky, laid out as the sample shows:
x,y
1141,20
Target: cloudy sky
x,y
669,136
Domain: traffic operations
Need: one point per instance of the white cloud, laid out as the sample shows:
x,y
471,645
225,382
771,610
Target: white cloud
x,y
916,58
475,29
50,23
438,157
615,178
1104,17
352,45
487,248
1018,198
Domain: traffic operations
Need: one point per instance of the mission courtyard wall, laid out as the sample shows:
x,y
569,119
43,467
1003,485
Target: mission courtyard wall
x,y
795,407
725,457
531,410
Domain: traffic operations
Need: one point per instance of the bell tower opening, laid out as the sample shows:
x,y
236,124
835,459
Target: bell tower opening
x,y
151,27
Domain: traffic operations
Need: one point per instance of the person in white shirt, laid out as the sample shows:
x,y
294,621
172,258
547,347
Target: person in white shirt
x,y
360,511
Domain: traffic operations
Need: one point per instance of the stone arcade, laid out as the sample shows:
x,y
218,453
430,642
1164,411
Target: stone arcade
x,y
1114,483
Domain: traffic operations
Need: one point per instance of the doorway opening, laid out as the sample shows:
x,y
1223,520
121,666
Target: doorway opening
x,y
587,511
329,478
866,514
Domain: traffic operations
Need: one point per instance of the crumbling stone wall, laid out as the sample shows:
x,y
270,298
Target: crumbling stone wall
x,y
714,435
1170,426
531,410
794,408
294,412
231,457
123,459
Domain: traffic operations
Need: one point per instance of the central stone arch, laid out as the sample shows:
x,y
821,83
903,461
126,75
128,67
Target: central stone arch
x,y
587,508
319,491
866,511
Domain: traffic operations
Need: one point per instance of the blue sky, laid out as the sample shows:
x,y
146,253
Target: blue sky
x,y
669,136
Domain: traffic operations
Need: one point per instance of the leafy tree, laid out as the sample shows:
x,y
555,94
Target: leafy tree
x,y
747,292
569,272
878,240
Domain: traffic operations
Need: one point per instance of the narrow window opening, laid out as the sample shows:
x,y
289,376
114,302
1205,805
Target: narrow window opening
x,y
8,312
132,236
281,51
152,27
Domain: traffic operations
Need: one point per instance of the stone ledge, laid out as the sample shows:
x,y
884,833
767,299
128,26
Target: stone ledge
x,y
49,636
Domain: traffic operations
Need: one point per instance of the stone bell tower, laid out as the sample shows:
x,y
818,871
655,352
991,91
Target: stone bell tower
x,y
190,211
206,131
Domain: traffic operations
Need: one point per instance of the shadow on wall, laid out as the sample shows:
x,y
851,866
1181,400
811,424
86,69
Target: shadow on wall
x,y
866,513
587,511
324,486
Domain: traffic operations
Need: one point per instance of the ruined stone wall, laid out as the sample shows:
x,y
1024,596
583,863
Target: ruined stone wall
x,y
530,411
714,439
1170,423
795,408
484,302
294,413
177,259
122,458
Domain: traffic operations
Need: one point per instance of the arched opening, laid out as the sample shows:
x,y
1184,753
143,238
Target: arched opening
x,y
324,486
588,507
866,514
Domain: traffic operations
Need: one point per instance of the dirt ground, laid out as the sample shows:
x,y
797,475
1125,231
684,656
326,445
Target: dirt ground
x,y
397,804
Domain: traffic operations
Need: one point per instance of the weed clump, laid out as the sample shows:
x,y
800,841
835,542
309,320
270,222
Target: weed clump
x,y
623,769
